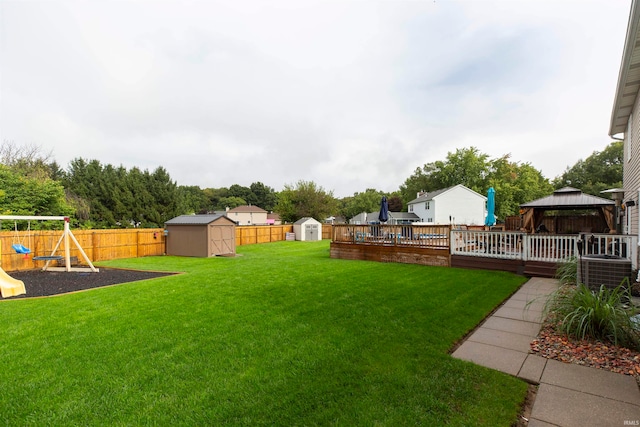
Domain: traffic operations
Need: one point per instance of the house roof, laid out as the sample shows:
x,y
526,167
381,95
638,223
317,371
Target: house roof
x,y
404,215
196,219
628,76
248,209
569,198
372,217
431,195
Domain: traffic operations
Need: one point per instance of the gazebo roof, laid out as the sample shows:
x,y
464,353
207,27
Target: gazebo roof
x,y
568,198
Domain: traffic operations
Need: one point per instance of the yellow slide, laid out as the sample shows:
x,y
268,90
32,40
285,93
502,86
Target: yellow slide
x,y
10,287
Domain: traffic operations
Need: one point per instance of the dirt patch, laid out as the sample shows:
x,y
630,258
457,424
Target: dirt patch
x,y
40,283
525,410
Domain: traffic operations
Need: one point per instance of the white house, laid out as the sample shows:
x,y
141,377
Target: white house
x,y
625,121
453,205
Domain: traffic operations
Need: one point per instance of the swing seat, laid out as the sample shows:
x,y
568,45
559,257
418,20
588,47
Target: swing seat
x,y
20,249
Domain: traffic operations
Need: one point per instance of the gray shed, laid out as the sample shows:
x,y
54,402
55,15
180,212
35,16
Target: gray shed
x,y
200,235
307,229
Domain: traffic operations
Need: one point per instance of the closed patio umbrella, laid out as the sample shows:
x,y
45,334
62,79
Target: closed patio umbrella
x,y
384,210
491,207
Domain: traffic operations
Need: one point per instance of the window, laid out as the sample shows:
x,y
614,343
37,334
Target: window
x,y
427,205
410,208
429,219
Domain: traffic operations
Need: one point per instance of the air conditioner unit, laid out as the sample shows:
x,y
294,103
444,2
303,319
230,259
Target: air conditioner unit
x,y
608,270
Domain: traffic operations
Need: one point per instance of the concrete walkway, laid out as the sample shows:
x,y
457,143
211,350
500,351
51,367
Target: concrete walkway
x,y
568,395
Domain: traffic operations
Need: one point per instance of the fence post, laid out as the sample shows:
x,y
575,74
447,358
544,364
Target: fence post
x,y
94,246
525,249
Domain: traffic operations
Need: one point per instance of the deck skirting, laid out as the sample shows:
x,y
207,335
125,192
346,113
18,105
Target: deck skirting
x,y
382,253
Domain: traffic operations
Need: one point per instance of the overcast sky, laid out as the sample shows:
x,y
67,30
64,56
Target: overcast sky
x,y
350,94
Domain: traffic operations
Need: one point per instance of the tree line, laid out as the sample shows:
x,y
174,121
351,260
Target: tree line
x,y
97,195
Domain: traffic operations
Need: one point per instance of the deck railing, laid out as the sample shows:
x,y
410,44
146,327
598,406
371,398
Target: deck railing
x,y
539,247
489,244
429,236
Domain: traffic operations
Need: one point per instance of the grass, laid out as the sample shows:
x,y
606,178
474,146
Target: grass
x,y
280,335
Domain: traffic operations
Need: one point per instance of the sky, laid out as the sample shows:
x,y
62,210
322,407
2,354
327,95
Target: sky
x,y
349,94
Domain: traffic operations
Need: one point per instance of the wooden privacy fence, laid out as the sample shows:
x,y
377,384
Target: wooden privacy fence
x,y
252,234
103,245
99,245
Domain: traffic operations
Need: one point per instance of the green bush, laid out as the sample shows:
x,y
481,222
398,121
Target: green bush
x,y
567,271
604,314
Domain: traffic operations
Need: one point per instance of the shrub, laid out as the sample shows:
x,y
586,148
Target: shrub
x,y
567,271
603,314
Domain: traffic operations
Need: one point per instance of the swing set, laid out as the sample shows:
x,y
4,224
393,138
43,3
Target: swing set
x,y
19,247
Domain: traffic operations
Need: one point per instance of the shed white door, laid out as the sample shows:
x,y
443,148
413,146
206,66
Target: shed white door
x,y
223,240
311,232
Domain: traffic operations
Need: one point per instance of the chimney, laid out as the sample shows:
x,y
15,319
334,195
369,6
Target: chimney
x,y
226,209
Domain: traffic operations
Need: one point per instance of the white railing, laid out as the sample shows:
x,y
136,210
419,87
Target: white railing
x,y
539,247
550,248
488,244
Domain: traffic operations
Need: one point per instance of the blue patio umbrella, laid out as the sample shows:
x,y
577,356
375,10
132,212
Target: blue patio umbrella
x,y
384,210
491,207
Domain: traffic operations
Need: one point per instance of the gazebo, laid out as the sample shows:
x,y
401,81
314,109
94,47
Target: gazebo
x,y
565,199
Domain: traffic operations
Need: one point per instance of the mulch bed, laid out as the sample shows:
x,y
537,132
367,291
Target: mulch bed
x,y
554,345
40,283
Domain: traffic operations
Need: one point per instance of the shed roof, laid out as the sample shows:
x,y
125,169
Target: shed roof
x,y
306,219
569,198
628,76
196,219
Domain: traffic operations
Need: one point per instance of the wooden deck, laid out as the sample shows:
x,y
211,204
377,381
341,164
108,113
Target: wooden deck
x,y
516,252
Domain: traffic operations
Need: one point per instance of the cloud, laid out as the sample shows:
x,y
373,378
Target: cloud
x,y
348,94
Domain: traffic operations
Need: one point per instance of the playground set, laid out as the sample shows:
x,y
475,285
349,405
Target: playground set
x,y
12,287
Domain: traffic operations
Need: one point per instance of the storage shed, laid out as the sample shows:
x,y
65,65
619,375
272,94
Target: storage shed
x,y
307,229
200,235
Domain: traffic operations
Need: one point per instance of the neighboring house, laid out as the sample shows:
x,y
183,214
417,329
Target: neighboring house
x,y
247,215
625,119
335,220
453,205
364,218
394,218
273,219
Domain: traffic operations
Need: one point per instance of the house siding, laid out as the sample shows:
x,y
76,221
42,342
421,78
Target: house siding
x,y
631,170
459,205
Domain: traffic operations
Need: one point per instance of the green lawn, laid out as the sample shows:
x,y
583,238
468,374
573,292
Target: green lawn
x,y
280,335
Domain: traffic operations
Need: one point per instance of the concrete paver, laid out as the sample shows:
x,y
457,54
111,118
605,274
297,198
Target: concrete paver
x,y
505,360
509,325
568,395
570,408
502,339
518,314
593,381
532,368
